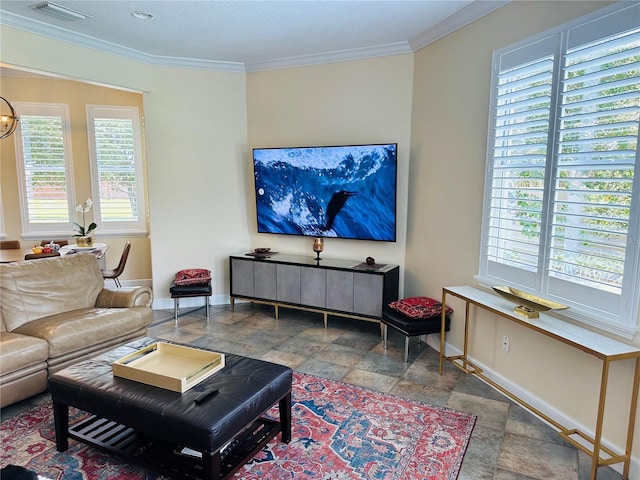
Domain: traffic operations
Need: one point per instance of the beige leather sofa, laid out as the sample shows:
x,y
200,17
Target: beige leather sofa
x,y
57,311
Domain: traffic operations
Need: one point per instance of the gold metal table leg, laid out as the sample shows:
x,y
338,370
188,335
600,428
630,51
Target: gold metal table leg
x,y
597,439
632,419
442,329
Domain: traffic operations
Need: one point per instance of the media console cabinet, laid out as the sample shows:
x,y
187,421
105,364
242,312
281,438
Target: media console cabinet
x,y
346,288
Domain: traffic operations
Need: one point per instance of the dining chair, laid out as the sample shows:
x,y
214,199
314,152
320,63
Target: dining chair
x,y
10,244
116,272
35,256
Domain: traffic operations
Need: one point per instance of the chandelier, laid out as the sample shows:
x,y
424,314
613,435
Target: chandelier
x,y
8,121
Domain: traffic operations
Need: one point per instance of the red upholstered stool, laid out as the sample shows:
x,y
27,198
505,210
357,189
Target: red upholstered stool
x,y
194,282
408,325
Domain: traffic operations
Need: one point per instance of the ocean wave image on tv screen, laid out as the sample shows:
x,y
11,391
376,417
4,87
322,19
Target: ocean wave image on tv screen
x,y
346,192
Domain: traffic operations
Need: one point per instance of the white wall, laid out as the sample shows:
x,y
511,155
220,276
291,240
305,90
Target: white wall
x,y
365,101
196,126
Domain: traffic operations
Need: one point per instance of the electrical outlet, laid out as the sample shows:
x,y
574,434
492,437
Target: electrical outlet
x,y
505,343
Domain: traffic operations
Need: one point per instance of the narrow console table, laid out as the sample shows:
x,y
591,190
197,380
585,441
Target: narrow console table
x,y
604,348
346,288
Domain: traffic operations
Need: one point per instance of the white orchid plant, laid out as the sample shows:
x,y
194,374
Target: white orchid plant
x,y
81,230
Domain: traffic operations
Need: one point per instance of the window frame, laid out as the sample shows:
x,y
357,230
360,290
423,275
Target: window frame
x,y
32,230
625,322
117,228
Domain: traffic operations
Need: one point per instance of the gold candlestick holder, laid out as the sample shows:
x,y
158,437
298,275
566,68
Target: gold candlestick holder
x,y
318,246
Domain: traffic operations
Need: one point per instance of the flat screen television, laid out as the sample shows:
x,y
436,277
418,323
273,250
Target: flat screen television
x,y
344,191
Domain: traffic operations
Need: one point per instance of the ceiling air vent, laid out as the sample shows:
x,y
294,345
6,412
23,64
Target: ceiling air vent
x,y
59,11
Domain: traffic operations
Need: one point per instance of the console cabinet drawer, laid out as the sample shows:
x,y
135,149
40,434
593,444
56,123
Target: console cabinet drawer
x,y
264,285
313,287
340,290
288,283
367,293
241,277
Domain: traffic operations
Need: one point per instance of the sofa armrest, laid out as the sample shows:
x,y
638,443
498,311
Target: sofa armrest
x,y
125,297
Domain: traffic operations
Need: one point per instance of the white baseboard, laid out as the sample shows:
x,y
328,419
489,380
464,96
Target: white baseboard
x,y
549,410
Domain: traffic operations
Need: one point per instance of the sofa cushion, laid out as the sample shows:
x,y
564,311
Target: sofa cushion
x,y
31,290
83,328
20,351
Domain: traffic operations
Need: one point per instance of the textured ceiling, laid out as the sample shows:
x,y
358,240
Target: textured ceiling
x,y
250,35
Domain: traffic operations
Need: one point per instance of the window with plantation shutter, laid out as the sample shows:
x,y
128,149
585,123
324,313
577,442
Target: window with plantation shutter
x,y
115,152
562,204
45,172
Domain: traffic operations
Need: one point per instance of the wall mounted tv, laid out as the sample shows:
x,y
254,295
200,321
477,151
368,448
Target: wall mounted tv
x,y
344,191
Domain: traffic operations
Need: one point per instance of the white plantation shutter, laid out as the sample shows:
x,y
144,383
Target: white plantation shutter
x,y
44,168
114,143
562,208
521,126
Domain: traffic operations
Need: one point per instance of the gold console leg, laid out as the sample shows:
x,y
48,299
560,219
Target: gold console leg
x,y
632,418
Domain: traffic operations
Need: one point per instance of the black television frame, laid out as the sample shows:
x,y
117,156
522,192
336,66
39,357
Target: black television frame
x,y
386,234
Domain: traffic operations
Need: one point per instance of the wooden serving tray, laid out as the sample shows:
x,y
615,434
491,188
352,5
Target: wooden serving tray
x,y
169,366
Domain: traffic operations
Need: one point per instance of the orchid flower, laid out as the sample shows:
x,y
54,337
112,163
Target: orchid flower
x,y
83,208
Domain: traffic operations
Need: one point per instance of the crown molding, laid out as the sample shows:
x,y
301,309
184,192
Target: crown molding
x,y
59,33
468,14
465,16
398,48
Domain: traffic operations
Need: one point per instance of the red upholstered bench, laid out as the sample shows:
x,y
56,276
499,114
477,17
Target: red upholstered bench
x,y
405,320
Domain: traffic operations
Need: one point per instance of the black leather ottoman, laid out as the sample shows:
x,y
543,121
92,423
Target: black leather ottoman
x,y
166,431
410,327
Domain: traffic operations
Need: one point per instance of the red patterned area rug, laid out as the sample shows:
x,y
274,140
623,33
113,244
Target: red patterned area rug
x,y
340,432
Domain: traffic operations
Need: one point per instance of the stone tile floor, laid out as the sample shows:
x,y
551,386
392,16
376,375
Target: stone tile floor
x,y
508,443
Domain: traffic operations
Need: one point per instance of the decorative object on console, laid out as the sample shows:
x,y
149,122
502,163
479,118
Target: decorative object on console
x,y
318,246
369,266
83,233
528,305
266,254
8,120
